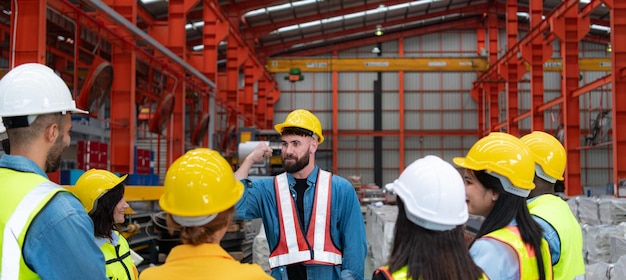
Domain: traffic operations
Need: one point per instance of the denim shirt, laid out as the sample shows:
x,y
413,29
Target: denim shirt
x,y
60,241
347,228
550,235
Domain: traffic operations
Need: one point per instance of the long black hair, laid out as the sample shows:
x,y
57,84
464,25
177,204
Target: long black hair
x,y
509,207
102,215
430,254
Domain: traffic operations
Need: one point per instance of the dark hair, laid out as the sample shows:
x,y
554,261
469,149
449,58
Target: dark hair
x,y
292,130
202,234
430,254
102,213
509,207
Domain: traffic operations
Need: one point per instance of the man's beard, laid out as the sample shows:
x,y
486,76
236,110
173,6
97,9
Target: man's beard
x,y
298,165
53,160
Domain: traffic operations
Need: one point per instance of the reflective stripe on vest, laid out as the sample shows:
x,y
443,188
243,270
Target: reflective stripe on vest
x,y
31,200
557,213
293,247
119,264
525,254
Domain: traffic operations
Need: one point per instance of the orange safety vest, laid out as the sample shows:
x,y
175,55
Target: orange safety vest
x,y
293,247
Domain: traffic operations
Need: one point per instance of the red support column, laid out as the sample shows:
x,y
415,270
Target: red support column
x,y
536,53
29,33
512,76
123,95
618,60
177,42
235,56
252,73
494,87
567,30
477,92
261,106
401,108
215,30
335,120
272,97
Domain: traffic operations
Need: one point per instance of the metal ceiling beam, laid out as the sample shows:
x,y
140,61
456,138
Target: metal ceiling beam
x,y
468,23
262,30
285,46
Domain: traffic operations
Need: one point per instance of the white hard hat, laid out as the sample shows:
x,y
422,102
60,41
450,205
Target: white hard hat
x,y
34,89
433,193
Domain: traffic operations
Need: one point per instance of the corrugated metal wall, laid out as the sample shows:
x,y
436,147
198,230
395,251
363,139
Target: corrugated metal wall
x,y
440,115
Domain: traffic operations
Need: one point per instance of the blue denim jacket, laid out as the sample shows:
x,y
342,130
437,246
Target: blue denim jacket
x,y
550,235
60,242
347,228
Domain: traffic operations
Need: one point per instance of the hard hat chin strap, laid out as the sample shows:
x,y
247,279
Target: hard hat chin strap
x,y
193,221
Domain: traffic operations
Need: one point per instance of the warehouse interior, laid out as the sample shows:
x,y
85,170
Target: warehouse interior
x,y
390,80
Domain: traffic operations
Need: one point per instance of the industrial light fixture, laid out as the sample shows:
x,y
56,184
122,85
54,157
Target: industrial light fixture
x,y
379,30
609,48
376,50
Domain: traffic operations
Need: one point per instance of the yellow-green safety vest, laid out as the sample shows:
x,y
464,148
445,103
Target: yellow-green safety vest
x,y
401,274
557,213
119,264
23,196
525,254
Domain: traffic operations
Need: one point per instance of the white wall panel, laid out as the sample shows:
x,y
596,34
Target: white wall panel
x,y
412,46
431,81
391,101
323,81
431,101
390,120
468,43
347,81
390,81
412,80
451,120
470,120
552,80
450,81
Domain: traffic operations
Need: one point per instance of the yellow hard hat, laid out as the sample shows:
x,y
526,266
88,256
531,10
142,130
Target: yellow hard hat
x,y
200,183
504,155
303,119
548,153
93,184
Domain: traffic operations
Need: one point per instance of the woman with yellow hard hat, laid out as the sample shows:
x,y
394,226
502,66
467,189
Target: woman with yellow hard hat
x,y
102,194
200,192
499,173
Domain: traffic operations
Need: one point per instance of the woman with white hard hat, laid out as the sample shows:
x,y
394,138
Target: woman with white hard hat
x,y
428,240
499,173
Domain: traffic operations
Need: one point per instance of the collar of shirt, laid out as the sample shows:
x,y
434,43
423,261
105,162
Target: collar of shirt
x,y
114,239
20,163
203,250
311,179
